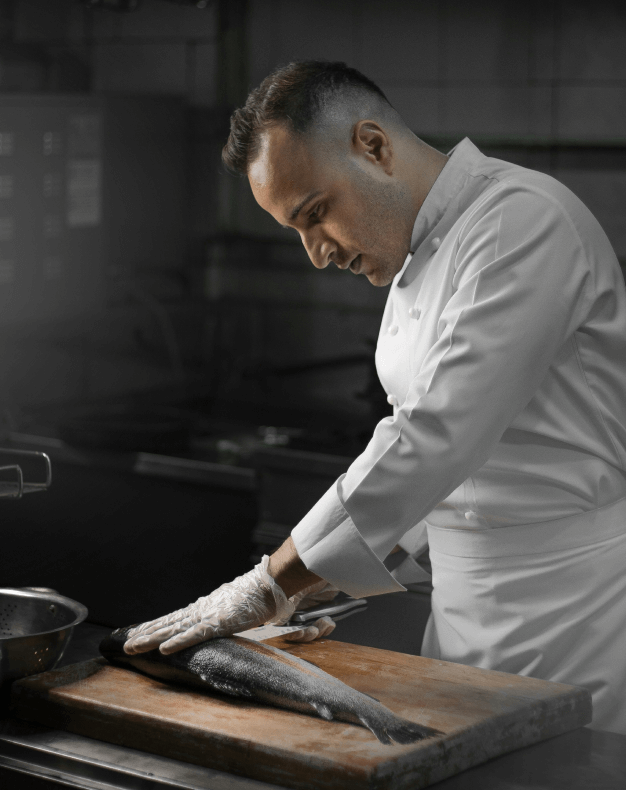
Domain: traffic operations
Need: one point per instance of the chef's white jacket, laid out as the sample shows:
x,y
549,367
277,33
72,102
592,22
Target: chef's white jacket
x,y
503,350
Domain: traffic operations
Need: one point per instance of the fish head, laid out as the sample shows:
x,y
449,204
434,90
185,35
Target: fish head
x,y
112,646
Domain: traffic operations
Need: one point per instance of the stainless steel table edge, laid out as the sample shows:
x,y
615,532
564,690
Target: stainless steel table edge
x,y
76,761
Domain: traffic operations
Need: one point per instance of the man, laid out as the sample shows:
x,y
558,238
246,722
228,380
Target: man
x,y
502,349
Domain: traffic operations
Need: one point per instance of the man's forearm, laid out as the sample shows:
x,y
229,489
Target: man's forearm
x,y
288,570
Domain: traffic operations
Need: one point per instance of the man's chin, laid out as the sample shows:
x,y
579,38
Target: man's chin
x,y
379,279
382,274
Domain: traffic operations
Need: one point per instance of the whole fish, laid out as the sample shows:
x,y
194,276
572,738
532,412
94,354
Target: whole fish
x,y
258,672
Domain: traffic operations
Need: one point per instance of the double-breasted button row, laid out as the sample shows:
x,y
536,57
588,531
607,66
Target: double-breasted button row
x,y
414,312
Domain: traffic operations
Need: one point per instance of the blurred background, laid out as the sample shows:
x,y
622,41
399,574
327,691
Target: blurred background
x,y
195,381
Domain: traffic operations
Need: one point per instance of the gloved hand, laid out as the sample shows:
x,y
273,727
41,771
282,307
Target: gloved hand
x,y
316,594
320,592
321,627
247,602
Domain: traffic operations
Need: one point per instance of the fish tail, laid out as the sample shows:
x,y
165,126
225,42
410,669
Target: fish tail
x,y
393,728
405,731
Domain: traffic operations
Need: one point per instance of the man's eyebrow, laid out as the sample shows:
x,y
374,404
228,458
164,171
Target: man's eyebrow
x,y
297,209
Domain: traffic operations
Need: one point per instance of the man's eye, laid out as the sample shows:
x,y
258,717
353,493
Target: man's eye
x,y
315,214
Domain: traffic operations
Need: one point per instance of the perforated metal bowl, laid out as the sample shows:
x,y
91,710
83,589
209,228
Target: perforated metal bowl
x,y
36,624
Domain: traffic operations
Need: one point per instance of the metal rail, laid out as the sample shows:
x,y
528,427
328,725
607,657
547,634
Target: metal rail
x,y
16,485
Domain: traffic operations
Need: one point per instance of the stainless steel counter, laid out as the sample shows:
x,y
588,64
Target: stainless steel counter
x,y
36,757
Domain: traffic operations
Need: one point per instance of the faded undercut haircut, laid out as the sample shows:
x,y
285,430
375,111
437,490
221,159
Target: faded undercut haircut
x,y
296,94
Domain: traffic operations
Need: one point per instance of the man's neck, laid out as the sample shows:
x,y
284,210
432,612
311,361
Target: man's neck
x,y
423,164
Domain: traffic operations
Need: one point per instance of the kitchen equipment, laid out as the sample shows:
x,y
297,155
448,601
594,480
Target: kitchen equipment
x,y
36,624
12,483
338,609
77,170
342,607
126,428
290,483
482,714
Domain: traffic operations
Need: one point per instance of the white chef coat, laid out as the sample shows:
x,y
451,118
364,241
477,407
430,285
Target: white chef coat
x,y
503,350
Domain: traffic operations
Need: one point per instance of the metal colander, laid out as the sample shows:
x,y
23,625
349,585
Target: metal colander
x,y
8,612
35,628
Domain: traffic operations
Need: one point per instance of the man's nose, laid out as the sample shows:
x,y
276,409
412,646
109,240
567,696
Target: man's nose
x,y
321,250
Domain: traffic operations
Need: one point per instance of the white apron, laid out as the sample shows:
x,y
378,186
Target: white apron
x,y
545,600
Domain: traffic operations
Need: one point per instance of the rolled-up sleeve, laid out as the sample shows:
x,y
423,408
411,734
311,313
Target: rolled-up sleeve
x,y
520,287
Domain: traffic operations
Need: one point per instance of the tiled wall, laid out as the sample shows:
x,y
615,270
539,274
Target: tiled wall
x,y
544,69
540,69
495,67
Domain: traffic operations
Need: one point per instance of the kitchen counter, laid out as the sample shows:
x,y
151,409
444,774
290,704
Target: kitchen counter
x,y
36,757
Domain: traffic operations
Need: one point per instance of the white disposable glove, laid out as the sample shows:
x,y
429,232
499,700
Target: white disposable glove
x,y
316,594
320,592
247,602
321,627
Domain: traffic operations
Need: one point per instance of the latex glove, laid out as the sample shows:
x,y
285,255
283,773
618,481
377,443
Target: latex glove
x,y
321,627
321,592
247,602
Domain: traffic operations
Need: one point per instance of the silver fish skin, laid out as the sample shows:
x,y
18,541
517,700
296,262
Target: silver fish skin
x,y
258,672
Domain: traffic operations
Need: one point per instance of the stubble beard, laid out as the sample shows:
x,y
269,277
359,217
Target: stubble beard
x,y
386,228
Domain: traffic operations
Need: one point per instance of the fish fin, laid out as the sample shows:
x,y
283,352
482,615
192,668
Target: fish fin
x,y
376,729
323,711
230,687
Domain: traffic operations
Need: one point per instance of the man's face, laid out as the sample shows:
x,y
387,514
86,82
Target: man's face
x,y
347,210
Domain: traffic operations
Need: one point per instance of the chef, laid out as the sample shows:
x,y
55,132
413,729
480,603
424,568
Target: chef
x,y
502,349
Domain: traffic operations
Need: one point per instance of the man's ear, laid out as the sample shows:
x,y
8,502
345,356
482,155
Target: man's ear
x,y
372,141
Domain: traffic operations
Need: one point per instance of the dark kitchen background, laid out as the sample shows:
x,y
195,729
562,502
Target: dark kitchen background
x,y
195,381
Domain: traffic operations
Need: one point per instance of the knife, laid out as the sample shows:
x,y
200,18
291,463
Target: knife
x,y
345,607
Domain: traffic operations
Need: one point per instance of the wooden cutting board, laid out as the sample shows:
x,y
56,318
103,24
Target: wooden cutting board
x,y
482,714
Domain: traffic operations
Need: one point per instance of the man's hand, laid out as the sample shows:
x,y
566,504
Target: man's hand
x,y
316,594
321,627
250,600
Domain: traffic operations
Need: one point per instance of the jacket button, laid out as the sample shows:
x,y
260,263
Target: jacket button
x,y
391,400
414,312
436,242
469,515
393,329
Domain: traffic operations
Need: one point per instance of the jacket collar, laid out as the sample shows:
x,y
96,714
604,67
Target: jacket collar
x,y
465,159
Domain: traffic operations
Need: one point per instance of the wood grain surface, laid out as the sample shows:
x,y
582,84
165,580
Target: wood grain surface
x,y
481,713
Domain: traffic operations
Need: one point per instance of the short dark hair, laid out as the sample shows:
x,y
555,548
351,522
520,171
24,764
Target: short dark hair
x,y
294,93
